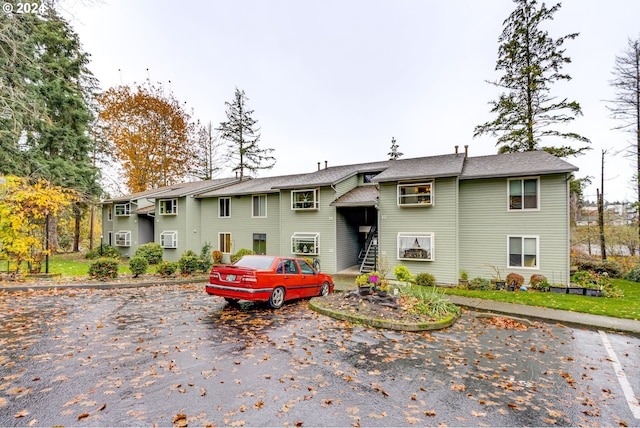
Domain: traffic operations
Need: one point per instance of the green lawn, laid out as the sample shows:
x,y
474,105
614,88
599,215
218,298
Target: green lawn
x,y
73,264
625,307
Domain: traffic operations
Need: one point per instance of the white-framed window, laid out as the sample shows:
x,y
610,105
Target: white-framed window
x,y
415,194
224,242
259,203
168,206
524,194
523,251
122,209
306,243
123,238
415,246
224,207
306,199
169,239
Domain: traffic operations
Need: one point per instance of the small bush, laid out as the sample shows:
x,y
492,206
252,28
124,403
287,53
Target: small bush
x,y
633,275
479,284
241,253
515,277
151,251
402,273
104,268
425,279
586,263
107,251
188,263
217,256
138,266
536,279
205,261
167,268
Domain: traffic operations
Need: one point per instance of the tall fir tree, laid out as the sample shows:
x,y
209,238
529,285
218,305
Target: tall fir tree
x,y
241,132
531,61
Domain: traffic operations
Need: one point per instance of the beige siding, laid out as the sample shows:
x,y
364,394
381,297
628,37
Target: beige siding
x,y
439,219
485,224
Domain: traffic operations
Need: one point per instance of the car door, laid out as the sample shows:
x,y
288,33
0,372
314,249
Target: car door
x,y
308,279
292,278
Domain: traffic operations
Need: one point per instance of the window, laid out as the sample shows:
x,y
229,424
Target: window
x,y
169,239
415,194
224,207
123,238
122,209
523,194
415,246
523,251
110,213
259,206
168,206
305,268
224,242
260,243
305,243
304,199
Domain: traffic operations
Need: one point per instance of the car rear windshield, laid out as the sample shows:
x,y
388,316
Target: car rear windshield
x,y
255,262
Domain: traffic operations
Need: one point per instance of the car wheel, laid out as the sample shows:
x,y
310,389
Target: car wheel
x,y
231,302
324,289
277,297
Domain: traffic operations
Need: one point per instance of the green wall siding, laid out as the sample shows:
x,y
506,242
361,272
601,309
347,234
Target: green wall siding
x,y
322,221
439,219
485,224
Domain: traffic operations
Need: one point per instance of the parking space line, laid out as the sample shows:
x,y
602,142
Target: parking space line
x,y
622,378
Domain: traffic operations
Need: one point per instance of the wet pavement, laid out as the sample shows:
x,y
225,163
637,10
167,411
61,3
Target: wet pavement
x,y
172,355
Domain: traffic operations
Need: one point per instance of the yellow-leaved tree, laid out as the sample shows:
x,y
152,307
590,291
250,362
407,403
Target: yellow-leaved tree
x,y
24,209
151,133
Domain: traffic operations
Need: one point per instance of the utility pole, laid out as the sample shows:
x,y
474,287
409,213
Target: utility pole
x,y
600,196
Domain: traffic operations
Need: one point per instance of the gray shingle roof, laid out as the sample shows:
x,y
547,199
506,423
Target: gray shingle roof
x,y
514,164
333,175
251,186
358,197
175,191
425,167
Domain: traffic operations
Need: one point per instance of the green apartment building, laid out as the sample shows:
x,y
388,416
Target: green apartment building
x,y
437,214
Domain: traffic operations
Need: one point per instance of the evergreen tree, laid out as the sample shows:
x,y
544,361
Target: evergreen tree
x,y
531,61
394,154
242,134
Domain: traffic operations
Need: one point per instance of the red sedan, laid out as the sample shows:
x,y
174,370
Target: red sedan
x,y
268,279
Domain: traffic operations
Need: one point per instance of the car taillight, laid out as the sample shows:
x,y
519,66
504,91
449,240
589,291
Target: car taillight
x,y
215,275
250,279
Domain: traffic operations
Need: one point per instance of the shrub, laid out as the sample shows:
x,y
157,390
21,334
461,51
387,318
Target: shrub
x,y
217,256
515,277
425,279
151,251
479,284
241,253
167,268
205,261
633,275
104,268
536,279
188,263
586,263
107,251
138,266
402,273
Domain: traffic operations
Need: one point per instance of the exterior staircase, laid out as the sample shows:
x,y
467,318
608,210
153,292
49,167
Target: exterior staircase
x,y
368,257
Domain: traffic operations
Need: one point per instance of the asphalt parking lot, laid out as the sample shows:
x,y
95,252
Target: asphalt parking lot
x,y
172,355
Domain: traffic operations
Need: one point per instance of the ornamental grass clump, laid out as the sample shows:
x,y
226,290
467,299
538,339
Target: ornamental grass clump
x,y
430,302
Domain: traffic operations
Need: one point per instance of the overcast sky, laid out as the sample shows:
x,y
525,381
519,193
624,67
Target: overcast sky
x,y
335,80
